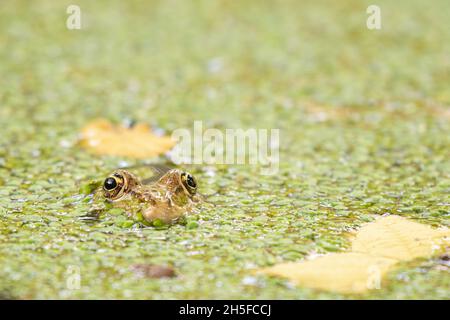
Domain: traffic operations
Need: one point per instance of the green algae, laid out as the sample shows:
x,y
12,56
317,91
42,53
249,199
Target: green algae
x,y
376,141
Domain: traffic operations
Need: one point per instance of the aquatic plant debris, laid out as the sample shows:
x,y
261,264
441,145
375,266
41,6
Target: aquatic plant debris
x,y
377,247
103,138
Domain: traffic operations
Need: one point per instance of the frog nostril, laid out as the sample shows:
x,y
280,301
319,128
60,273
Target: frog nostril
x,y
110,184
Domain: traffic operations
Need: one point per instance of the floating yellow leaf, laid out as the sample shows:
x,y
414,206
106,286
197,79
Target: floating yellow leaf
x,y
342,272
398,238
103,138
378,247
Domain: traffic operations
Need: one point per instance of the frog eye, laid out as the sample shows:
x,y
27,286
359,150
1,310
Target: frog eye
x,y
110,184
189,182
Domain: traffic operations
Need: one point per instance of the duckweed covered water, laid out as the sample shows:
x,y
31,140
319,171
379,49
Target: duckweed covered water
x,y
364,123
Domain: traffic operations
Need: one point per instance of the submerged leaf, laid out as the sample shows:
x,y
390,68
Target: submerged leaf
x,y
103,138
378,247
153,271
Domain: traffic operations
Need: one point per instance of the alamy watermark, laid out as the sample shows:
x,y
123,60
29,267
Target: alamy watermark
x,y
73,21
231,146
373,21
73,277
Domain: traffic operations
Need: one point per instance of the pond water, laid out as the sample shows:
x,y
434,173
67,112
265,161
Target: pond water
x,y
364,131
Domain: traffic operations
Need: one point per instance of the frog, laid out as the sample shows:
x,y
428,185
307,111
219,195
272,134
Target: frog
x,y
166,199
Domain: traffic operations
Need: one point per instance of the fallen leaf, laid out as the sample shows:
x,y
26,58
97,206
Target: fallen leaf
x,y
398,238
342,272
153,271
103,138
376,249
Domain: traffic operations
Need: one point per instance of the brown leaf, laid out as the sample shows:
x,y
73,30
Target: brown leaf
x,y
153,271
103,138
